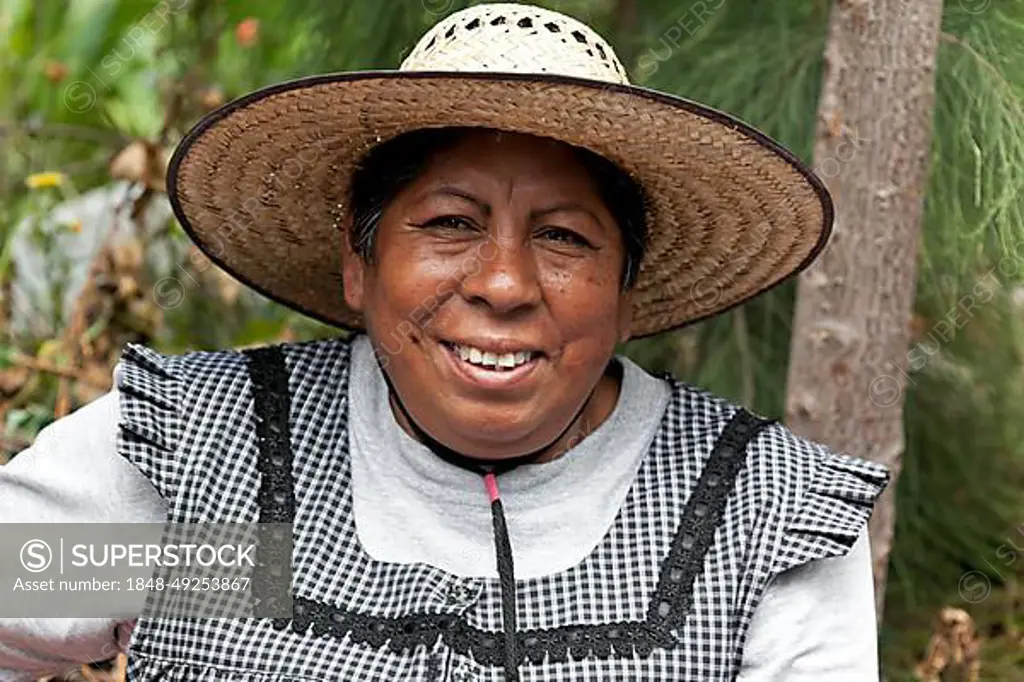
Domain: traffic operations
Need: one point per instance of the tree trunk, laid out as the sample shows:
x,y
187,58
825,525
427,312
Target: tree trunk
x,y
851,328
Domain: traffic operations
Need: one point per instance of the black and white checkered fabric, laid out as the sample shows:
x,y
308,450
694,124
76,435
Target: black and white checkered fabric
x,y
188,425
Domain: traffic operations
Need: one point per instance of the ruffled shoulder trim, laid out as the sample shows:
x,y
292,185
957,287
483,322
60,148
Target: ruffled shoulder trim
x,y
833,509
175,407
150,394
142,667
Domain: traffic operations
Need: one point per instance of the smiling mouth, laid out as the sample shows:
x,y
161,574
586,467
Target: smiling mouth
x,y
480,358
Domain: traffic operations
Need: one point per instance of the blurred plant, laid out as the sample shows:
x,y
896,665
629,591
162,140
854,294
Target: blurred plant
x,y
953,649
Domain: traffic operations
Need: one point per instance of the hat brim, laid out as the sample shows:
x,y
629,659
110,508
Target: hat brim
x,y
260,184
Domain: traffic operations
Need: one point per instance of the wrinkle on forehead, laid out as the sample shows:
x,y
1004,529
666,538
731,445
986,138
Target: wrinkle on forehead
x,y
477,151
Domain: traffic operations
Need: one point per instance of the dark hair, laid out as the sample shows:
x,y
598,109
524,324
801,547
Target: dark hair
x,y
391,166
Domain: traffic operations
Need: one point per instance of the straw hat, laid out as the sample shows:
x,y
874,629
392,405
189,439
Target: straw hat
x,y
260,184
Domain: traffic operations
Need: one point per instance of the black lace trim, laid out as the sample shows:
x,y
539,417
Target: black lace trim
x,y
405,634
701,516
272,405
669,604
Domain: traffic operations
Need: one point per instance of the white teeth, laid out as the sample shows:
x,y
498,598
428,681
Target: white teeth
x,y
488,359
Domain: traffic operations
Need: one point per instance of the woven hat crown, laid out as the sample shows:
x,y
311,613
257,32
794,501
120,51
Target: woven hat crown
x,y
512,38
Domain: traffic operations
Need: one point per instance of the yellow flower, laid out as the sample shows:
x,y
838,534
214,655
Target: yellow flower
x,y
47,179
75,226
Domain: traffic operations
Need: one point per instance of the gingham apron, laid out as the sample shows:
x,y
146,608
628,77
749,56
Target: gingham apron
x,y
722,502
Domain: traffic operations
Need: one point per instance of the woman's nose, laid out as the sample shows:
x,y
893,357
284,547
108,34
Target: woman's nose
x,y
504,276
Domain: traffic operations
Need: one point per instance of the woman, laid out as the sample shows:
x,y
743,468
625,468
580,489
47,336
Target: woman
x,y
480,488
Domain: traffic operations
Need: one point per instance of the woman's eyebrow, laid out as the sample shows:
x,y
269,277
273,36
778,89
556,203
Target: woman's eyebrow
x,y
534,214
566,206
462,194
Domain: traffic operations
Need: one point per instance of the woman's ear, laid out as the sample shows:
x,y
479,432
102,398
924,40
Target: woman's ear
x,y
353,269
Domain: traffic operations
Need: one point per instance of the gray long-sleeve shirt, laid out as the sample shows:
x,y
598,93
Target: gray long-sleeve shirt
x,y
816,622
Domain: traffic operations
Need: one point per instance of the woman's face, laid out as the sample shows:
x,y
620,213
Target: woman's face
x,y
494,297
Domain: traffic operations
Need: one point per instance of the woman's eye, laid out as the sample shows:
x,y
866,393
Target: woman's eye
x,y
564,236
449,222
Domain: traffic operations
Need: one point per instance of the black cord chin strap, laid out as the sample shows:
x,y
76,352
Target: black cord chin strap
x,y
502,544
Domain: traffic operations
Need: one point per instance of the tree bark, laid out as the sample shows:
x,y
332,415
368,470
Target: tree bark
x,y
851,328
